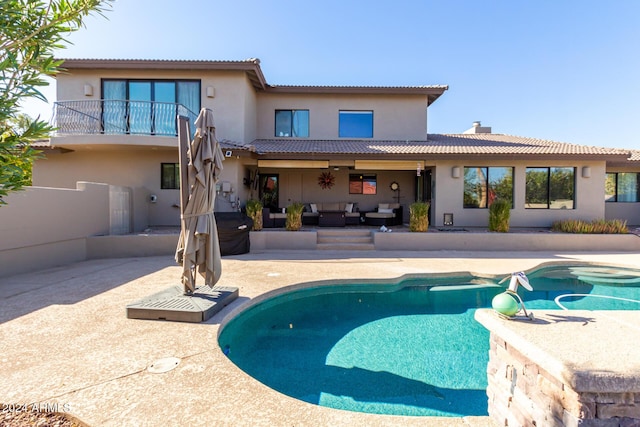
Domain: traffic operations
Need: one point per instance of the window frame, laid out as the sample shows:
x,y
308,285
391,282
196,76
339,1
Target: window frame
x,y
291,132
487,186
616,196
549,189
345,129
175,178
127,107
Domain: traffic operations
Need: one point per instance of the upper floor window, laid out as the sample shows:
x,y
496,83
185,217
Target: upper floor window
x,y
550,188
622,187
147,106
292,123
355,124
483,185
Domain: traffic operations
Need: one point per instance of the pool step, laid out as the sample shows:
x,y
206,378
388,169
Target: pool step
x,y
348,240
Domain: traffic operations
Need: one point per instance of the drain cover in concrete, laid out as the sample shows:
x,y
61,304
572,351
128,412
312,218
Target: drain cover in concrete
x,y
161,366
172,304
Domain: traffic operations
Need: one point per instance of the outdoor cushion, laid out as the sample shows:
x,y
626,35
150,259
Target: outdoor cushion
x,y
383,206
386,211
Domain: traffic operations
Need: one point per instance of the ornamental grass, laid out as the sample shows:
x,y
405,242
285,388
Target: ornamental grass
x,y
598,226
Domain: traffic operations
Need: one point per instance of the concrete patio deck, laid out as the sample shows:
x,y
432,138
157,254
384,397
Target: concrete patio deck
x,y
66,339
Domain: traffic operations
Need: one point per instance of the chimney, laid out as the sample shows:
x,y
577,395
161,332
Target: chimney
x,y
477,128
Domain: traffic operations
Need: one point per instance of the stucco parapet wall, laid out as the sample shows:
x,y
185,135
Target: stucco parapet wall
x,y
487,241
590,351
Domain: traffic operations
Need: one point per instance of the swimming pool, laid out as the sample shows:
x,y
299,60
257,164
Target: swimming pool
x,y
405,348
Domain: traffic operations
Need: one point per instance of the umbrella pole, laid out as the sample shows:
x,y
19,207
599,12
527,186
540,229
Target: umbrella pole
x,y
184,134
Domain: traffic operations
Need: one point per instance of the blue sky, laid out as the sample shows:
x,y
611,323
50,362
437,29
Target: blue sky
x,y
564,70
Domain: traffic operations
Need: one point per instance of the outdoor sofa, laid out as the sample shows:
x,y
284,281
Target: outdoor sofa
x,y
385,214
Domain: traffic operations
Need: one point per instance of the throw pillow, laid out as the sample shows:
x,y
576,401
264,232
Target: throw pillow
x,y
348,207
314,208
383,206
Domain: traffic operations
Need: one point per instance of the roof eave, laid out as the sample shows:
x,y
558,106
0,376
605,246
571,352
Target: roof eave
x,y
250,66
432,92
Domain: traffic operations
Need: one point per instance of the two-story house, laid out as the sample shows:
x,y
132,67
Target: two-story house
x,y
364,146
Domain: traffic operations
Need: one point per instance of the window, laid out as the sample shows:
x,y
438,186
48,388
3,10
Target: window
x,y
170,176
622,187
147,106
483,185
292,123
355,124
362,184
550,188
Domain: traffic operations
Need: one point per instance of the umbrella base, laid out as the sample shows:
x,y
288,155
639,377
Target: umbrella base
x,y
172,304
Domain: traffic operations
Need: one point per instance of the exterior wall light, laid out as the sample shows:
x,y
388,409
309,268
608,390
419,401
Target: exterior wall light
x,y
88,90
455,172
211,92
586,172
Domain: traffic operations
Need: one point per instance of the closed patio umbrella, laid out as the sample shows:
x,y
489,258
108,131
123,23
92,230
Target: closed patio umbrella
x,y
201,159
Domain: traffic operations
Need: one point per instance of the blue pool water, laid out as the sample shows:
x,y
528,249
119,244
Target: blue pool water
x,y
411,348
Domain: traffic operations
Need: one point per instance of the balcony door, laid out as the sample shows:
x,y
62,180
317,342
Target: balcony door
x,y
148,107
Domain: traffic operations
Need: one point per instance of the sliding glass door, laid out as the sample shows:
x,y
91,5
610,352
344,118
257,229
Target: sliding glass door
x,y
147,107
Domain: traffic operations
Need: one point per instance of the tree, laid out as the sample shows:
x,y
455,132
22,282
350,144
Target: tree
x,y
31,31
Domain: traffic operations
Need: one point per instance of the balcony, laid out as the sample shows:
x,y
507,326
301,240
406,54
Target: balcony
x,y
110,117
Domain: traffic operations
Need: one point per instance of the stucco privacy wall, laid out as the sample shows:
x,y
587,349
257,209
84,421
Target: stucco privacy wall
x,y
44,227
396,117
138,169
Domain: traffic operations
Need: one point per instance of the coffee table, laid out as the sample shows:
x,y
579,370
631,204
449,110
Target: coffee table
x,y
331,219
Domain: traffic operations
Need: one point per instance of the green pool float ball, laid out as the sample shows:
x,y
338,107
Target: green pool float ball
x,y
505,304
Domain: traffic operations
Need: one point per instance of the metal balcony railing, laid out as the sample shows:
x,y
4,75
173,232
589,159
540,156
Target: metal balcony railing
x,y
119,117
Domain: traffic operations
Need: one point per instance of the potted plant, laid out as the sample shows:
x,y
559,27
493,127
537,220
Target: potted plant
x,y
294,216
419,216
499,213
254,211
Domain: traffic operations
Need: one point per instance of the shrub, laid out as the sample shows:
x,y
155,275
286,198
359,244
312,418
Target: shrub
x,y
499,214
294,216
254,211
419,216
597,226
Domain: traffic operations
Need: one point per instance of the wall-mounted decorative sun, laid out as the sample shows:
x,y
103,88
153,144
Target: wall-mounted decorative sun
x,y
326,180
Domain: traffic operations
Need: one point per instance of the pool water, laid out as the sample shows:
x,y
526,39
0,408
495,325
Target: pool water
x,y
411,348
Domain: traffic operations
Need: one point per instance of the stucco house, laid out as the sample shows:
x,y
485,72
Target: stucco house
x,y
355,146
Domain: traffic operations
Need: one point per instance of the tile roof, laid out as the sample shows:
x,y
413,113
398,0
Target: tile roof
x,y
437,144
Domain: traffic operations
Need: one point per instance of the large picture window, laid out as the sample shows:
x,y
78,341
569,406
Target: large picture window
x,y
170,176
147,106
292,123
362,184
550,188
355,124
622,187
484,185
